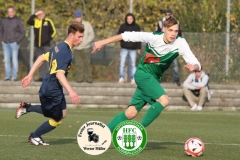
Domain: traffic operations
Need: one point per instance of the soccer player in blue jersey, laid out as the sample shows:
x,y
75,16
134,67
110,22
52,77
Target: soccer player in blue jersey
x,y
53,104
161,49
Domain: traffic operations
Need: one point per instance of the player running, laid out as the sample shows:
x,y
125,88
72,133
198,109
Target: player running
x,y
53,104
161,49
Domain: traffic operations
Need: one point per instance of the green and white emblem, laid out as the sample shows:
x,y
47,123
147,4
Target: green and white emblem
x,y
129,137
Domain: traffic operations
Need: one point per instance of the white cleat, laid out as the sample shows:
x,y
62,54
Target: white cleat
x,y
38,141
22,109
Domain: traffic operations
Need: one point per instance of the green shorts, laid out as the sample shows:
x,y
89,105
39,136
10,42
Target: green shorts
x,y
147,91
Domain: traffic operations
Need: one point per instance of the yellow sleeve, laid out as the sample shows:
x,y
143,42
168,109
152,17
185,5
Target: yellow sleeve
x,y
46,56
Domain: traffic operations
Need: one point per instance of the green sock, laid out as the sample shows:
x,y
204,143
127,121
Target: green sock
x,y
116,120
152,113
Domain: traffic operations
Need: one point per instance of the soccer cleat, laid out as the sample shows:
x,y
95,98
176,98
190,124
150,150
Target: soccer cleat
x,y
22,109
38,141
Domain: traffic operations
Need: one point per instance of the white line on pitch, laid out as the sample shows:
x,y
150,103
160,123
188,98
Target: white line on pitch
x,y
184,142
155,141
144,111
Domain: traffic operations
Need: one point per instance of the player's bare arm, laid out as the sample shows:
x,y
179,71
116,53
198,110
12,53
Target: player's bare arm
x,y
26,80
73,95
99,44
192,67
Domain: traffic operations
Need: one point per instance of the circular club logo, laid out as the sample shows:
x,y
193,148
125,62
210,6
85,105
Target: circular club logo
x,y
129,137
94,137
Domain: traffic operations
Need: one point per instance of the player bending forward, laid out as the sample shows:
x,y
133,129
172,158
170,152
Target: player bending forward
x,y
161,49
53,104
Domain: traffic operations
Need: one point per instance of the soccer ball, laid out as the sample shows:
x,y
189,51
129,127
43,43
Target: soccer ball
x,y
194,147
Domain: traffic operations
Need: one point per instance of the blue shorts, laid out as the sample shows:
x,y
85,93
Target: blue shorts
x,y
53,107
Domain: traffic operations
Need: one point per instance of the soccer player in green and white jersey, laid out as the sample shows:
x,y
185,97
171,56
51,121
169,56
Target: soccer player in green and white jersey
x,y
161,49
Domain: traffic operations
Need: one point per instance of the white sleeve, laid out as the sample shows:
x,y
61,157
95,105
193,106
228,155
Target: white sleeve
x,y
186,53
147,37
188,82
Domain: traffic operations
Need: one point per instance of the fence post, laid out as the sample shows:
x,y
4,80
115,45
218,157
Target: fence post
x,y
32,37
227,36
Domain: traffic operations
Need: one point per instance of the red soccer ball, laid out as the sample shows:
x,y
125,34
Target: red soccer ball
x,y
194,147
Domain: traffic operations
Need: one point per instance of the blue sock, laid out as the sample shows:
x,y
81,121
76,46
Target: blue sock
x,y
35,108
44,128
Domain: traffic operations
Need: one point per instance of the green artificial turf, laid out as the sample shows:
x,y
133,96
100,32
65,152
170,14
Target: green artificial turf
x,y
219,130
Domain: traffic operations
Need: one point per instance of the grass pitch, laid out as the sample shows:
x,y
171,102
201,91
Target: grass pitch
x,y
220,131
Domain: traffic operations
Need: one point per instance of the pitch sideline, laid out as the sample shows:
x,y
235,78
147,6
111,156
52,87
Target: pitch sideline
x,y
155,141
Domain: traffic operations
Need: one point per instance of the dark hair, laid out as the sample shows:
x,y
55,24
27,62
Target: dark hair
x,y
130,15
199,70
171,21
75,27
168,11
11,7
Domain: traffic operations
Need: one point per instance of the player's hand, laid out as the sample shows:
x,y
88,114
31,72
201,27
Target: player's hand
x,y
74,97
190,67
97,46
26,81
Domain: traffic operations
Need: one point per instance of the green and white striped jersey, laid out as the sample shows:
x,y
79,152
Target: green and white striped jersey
x,y
158,55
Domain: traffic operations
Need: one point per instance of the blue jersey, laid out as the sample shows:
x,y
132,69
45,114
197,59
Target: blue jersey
x,y
60,59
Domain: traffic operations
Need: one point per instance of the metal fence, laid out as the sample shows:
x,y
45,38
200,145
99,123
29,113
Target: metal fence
x,y
209,48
